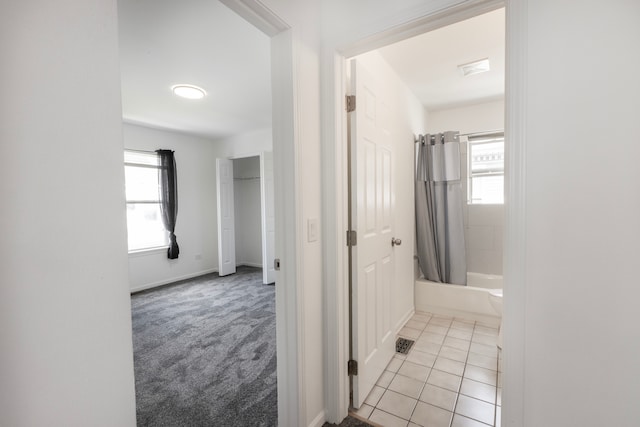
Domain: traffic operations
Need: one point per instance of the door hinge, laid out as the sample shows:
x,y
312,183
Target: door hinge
x,y
351,103
352,238
276,264
352,367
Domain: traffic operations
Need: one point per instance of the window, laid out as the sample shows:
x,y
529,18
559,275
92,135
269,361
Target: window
x,y
486,169
145,228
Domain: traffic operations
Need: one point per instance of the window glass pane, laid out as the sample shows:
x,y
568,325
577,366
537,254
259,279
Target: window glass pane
x,y
150,159
487,157
141,183
144,226
487,189
486,170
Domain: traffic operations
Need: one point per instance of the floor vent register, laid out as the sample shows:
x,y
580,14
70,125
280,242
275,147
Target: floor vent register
x,y
403,345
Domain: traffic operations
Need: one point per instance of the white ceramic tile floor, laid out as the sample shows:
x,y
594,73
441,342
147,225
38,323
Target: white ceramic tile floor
x,y
449,378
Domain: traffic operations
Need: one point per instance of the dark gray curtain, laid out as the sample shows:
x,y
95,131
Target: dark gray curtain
x,y
169,198
439,214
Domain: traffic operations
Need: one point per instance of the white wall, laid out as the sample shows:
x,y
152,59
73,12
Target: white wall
x,y
248,218
408,119
478,117
303,16
307,48
582,204
247,144
65,321
484,224
197,218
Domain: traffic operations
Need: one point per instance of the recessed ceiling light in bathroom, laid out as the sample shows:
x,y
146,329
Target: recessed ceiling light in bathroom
x,y
475,67
188,91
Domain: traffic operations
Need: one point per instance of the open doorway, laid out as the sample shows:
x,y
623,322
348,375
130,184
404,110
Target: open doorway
x,y
396,96
246,222
207,45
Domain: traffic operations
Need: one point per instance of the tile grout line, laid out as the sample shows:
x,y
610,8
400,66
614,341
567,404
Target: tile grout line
x,y
395,374
426,379
495,412
431,369
466,360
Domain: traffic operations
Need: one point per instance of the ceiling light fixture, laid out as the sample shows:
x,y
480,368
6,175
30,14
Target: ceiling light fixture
x,y
188,91
475,67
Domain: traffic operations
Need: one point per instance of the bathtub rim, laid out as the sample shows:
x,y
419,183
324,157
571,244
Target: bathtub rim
x,y
427,291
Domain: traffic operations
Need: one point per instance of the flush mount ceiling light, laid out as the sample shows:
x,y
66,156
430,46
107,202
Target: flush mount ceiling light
x,y
474,67
188,91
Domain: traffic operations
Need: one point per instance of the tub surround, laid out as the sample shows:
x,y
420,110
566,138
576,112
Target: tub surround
x,y
483,232
471,301
495,299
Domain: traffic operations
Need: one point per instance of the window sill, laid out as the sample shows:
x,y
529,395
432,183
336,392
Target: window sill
x,y
148,251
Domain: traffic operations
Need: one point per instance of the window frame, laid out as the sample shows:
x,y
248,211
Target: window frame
x,y
156,201
480,139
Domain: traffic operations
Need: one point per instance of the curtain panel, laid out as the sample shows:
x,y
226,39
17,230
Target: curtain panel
x,y
169,198
439,209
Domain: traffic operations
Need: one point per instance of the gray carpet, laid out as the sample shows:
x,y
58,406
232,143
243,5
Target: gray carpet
x,y
349,422
205,352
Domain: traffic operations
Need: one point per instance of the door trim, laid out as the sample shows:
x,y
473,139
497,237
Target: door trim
x,y
289,298
333,75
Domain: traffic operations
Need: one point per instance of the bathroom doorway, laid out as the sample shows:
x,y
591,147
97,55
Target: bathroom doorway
x,y
447,119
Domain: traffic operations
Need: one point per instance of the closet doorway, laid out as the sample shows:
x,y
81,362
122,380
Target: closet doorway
x,y
246,222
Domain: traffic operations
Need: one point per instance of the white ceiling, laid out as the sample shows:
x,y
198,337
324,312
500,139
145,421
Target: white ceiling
x,y
428,63
199,42
202,42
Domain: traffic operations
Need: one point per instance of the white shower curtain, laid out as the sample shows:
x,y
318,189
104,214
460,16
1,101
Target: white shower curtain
x,y
439,215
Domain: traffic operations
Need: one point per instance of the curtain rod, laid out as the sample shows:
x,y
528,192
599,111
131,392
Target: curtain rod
x,y
471,135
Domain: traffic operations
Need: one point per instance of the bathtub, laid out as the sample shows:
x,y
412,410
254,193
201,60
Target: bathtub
x,y
469,302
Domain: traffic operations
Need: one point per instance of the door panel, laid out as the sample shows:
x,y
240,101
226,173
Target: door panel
x,y
226,220
268,220
372,209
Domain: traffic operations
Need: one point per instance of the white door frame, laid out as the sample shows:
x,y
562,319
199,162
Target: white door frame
x,y
334,181
225,203
291,402
268,223
266,262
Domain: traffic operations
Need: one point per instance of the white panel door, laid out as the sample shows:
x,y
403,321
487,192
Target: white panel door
x,y
226,223
372,215
268,219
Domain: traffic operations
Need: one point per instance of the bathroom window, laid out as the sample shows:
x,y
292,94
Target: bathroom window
x,y
486,169
145,229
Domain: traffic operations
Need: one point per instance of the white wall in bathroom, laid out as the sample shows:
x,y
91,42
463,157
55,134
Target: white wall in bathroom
x,y
483,223
480,117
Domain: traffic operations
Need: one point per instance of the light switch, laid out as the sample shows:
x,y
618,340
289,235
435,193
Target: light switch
x,y
312,229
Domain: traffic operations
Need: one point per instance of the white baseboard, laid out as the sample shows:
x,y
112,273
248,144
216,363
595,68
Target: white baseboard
x,y
319,420
171,280
249,264
404,319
